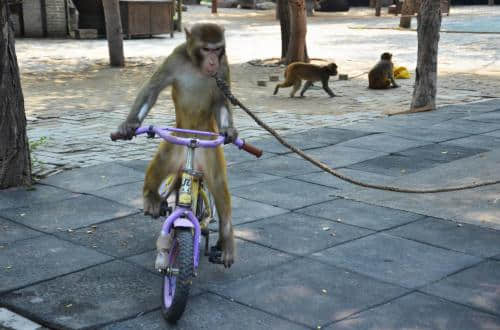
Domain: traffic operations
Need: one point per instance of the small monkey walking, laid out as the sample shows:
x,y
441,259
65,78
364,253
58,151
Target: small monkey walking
x,y
381,76
298,71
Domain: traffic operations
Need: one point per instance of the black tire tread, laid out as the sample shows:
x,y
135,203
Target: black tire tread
x,y
184,279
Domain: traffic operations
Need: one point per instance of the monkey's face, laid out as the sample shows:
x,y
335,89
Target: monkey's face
x,y
332,69
210,58
386,56
206,45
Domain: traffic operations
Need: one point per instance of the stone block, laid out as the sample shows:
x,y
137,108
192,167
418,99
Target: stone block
x,y
395,260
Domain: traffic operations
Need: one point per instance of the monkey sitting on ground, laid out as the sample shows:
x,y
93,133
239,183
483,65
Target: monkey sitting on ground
x,y
298,71
381,76
199,105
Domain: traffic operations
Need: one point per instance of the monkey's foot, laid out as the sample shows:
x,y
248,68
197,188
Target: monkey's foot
x,y
152,204
223,252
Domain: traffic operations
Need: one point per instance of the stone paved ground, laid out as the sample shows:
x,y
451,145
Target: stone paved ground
x,y
313,251
73,99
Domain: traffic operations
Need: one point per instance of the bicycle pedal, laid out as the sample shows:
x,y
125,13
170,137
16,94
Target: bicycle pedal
x,y
215,255
165,210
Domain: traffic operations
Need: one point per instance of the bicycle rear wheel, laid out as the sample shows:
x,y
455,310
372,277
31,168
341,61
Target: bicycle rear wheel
x,y
176,287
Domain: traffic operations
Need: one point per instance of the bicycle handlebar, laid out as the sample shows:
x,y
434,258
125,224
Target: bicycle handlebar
x,y
166,134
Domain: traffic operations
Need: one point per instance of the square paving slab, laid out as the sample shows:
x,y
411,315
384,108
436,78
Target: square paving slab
x,y
494,134
382,142
67,214
339,156
327,179
440,152
467,126
138,164
95,296
489,117
33,260
394,165
126,236
314,138
419,311
309,292
11,232
210,311
129,194
239,178
396,260
464,238
325,136
360,214
279,166
286,193
244,210
477,286
477,142
298,233
427,134
93,178
17,197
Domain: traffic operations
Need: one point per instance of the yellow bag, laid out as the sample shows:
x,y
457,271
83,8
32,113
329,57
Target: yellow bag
x,y
401,73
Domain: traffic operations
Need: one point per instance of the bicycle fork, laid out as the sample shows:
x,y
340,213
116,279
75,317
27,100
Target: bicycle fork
x,y
181,217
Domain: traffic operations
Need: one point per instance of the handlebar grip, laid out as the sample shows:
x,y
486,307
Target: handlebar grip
x,y
118,136
251,149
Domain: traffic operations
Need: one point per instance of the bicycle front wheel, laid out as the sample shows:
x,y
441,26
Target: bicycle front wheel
x,y
176,286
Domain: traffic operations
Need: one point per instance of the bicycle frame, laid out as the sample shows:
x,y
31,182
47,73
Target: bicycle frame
x,y
183,216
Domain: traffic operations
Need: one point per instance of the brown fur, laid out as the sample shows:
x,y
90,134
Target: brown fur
x,y
381,76
200,105
298,71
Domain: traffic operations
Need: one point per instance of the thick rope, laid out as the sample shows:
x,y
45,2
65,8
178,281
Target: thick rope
x,y
227,92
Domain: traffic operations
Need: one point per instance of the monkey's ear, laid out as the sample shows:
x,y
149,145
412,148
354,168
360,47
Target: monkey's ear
x,y
188,33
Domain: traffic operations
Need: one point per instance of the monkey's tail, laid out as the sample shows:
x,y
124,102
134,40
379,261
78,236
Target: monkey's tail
x,y
227,92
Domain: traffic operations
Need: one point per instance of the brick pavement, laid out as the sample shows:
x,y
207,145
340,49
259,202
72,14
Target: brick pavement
x,y
313,251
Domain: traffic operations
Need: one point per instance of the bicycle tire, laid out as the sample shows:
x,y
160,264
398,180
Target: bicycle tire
x,y
176,288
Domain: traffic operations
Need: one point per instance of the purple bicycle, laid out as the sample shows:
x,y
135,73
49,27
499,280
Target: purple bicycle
x,y
180,236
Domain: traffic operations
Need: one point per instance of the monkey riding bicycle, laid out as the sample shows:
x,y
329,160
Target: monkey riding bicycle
x,y
180,236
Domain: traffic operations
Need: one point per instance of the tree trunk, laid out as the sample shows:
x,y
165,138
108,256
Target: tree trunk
x,y
428,25
214,6
178,4
15,161
297,44
378,7
114,32
491,2
283,13
406,14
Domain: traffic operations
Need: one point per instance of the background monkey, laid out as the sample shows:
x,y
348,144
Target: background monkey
x,y
199,105
381,76
298,71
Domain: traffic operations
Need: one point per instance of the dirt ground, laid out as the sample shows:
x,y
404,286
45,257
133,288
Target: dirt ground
x,y
469,64
64,79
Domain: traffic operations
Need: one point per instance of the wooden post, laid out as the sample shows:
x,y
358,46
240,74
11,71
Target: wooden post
x,y
378,7
214,6
114,32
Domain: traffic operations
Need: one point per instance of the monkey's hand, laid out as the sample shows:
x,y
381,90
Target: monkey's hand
x,y
127,129
230,133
